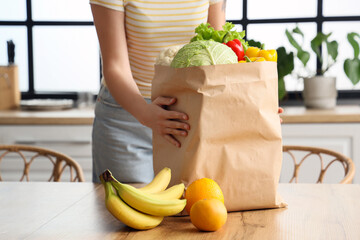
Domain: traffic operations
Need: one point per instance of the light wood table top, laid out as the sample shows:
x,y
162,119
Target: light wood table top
x,y
77,211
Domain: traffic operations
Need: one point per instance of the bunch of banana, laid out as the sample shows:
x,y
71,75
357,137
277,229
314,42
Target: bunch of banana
x,y
143,208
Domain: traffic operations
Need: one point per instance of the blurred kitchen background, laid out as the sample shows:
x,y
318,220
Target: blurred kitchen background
x,y
56,39
57,54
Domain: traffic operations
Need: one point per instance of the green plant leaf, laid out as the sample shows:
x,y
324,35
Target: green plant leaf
x,y
281,88
317,42
352,70
303,56
332,48
285,62
292,40
298,31
354,43
285,66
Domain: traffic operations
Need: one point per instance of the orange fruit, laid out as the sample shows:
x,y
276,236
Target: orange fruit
x,y
208,214
201,189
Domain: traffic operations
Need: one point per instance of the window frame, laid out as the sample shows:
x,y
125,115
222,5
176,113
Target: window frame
x,y
293,97
29,23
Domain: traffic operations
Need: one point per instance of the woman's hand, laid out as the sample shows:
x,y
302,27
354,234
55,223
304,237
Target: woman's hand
x,y
166,123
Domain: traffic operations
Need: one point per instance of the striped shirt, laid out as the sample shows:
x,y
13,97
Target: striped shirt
x,y
154,25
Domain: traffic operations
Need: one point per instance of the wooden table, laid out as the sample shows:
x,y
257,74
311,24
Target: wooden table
x,y
77,211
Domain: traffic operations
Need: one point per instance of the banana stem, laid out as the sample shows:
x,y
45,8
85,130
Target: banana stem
x,y
107,185
109,177
102,179
106,176
108,189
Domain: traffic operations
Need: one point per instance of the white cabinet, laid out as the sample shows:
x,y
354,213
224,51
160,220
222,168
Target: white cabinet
x,y
72,140
340,137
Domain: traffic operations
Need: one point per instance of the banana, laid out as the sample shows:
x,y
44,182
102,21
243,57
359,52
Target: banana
x,y
174,192
159,183
125,213
145,202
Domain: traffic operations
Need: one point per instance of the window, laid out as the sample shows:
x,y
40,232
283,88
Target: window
x,y
56,46
58,54
266,21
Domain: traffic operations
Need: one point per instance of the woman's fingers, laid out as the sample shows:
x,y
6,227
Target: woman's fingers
x,y
177,125
167,101
170,123
176,115
173,131
171,139
164,101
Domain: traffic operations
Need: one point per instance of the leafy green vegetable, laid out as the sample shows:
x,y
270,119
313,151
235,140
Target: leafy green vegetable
x,y
206,32
352,66
253,43
201,53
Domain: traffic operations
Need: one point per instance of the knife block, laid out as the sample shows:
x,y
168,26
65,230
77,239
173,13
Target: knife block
x,y
9,87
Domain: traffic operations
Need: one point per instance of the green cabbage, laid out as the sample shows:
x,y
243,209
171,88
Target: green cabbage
x,y
201,53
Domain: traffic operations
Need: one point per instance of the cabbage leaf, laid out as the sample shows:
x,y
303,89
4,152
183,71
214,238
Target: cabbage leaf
x,y
202,53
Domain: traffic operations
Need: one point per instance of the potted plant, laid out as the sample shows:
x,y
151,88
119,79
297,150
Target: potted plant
x,y
319,90
352,66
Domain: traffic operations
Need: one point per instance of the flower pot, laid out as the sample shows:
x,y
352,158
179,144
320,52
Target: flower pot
x,y
320,92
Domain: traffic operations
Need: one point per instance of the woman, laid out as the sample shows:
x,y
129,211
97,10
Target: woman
x,y
131,34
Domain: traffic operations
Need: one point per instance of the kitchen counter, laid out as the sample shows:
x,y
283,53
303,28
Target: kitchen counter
x,y
341,114
61,117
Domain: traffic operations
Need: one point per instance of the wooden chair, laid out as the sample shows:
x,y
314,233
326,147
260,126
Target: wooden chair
x,y
345,161
60,162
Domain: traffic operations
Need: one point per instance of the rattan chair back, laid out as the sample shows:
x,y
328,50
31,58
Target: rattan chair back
x,y
346,162
29,154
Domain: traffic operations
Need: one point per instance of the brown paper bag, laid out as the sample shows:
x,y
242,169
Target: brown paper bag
x,y
235,135
9,87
